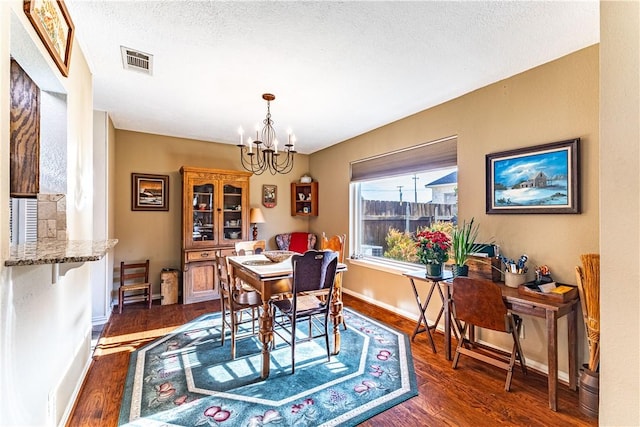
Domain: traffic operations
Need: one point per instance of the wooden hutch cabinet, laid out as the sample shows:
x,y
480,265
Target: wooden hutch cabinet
x,y
215,215
304,199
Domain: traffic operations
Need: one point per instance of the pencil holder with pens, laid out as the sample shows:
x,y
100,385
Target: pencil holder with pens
x,y
513,280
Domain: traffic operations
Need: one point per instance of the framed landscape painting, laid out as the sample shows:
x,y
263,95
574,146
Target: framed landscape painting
x,y
540,179
149,192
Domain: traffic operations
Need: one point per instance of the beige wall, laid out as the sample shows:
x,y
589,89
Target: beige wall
x,y
620,209
553,102
45,336
156,235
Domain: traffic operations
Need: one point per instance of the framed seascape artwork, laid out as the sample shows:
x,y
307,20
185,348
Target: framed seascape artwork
x,y
269,195
540,179
149,192
51,20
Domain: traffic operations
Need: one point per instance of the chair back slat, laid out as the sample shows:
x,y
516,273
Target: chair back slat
x,y
131,273
334,243
224,280
479,302
250,247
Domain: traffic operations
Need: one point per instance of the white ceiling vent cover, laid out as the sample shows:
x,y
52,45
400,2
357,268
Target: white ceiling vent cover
x,y
135,60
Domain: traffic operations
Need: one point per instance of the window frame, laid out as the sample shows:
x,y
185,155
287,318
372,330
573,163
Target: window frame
x,y
355,206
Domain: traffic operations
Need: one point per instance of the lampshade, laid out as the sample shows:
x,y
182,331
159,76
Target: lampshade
x,y
255,216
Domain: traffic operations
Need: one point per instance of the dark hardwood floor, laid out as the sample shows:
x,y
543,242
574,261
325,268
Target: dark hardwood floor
x,y
471,395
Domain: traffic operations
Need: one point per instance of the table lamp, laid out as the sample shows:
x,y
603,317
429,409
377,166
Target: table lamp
x,y
255,218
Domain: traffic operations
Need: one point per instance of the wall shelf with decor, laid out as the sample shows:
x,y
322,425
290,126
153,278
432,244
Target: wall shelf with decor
x,y
304,199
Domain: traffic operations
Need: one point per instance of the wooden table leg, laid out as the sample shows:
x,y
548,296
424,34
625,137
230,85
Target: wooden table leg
x,y
266,337
422,318
572,326
336,313
552,357
447,322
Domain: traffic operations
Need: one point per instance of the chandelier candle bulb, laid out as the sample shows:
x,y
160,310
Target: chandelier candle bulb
x,y
250,144
241,132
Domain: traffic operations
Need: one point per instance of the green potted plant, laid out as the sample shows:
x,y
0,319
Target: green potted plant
x,y
464,244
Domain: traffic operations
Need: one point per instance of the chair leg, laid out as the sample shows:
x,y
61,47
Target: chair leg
x,y
293,345
461,342
234,327
523,364
326,338
120,298
223,314
149,295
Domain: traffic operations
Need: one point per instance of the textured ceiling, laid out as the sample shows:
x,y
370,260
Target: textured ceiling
x,y
338,69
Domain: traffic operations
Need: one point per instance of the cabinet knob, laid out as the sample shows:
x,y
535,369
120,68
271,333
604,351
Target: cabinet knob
x,y
204,254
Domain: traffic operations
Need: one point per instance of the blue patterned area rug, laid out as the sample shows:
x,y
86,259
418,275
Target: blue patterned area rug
x,y
188,379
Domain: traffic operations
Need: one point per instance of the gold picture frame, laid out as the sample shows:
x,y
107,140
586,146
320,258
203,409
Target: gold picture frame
x,y
149,192
54,27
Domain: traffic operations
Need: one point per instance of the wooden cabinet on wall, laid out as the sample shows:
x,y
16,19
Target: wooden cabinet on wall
x,y
304,199
24,130
215,215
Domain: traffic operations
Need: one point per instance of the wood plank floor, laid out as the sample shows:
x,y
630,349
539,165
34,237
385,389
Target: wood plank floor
x,y
471,395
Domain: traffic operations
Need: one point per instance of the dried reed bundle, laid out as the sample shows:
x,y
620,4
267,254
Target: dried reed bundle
x,y
589,287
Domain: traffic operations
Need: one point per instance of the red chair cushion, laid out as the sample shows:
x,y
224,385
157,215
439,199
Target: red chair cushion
x,y
299,242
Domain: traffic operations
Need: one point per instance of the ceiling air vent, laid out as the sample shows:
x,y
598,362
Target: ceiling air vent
x,y
136,60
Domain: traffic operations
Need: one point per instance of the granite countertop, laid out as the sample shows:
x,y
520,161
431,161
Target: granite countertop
x,y
58,252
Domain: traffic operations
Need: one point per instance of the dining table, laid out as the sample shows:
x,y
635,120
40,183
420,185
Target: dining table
x,y
272,280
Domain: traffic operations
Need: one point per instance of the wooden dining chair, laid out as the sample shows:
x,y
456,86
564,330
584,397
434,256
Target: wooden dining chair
x,y
315,271
134,277
250,247
336,243
234,304
479,303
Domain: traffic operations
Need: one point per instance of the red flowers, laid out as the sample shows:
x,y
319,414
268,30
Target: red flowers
x,y
433,246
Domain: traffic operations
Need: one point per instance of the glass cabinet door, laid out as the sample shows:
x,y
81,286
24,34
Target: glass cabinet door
x,y
203,212
232,215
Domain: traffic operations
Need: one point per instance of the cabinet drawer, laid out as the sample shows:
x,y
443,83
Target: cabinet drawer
x,y
201,255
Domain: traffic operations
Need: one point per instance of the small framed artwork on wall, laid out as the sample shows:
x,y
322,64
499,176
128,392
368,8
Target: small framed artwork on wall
x,y
149,192
540,179
269,195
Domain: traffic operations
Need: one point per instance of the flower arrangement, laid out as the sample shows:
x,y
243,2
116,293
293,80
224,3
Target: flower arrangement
x,y
433,246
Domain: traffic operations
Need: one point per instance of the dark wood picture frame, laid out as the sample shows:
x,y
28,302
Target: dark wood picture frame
x,y
149,192
542,179
54,27
269,195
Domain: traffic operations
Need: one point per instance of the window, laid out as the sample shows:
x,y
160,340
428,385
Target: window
x,y
23,220
393,195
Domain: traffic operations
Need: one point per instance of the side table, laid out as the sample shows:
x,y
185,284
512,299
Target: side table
x,y
423,324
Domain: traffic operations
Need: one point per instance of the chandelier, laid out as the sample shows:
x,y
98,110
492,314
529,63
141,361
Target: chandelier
x,y
262,154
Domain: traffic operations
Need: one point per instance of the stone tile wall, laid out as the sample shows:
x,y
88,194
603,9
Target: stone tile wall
x,y
52,217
